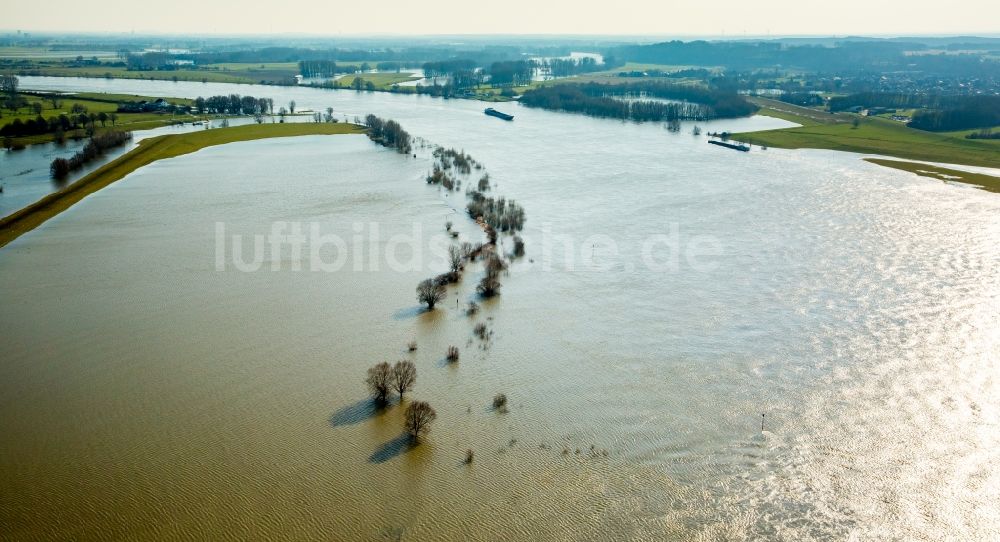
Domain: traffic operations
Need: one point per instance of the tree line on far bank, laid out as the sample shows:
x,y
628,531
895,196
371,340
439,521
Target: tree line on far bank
x,y
959,113
935,112
234,104
632,101
330,68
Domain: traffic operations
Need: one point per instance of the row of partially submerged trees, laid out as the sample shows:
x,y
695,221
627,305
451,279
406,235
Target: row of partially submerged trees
x,y
62,167
388,133
495,216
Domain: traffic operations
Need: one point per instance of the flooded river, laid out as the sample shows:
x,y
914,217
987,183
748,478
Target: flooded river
x,y
672,293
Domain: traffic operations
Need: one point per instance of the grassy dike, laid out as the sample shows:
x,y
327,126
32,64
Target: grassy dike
x,y
149,151
873,135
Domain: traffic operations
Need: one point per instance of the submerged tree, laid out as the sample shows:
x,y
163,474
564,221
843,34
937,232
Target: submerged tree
x,y
418,418
404,375
388,133
94,148
455,258
495,264
518,246
380,381
430,292
499,213
489,286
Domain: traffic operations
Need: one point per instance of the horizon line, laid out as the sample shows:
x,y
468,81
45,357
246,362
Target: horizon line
x,y
734,36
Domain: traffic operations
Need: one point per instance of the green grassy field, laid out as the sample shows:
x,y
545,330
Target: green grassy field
x,y
986,182
211,73
806,116
611,76
872,136
382,81
486,93
148,151
46,53
95,103
641,67
118,98
250,66
254,73
358,63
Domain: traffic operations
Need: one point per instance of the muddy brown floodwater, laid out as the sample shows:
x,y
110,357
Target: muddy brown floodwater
x,y
144,394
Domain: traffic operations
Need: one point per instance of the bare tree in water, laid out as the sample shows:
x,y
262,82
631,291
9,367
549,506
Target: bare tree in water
x,y
404,375
430,292
418,418
380,381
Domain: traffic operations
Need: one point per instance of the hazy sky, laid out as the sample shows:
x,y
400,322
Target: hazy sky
x,y
659,17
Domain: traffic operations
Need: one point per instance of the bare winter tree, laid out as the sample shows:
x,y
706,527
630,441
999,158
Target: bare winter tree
x,y
489,286
430,292
418,418
404,375
455,258
380,381
495,264
8,85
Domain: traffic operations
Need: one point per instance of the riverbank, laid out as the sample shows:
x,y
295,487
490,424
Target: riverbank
x,y
267,73
871,135
980,180
104,106
149,151
390,82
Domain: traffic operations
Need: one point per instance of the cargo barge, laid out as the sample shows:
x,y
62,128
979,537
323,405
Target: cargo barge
x,y
494,113
735,146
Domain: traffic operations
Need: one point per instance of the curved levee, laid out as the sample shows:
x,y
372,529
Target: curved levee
x,y
149,151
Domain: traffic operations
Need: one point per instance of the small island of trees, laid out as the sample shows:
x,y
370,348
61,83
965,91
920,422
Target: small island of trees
x,y
616,101
388,133
383,378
